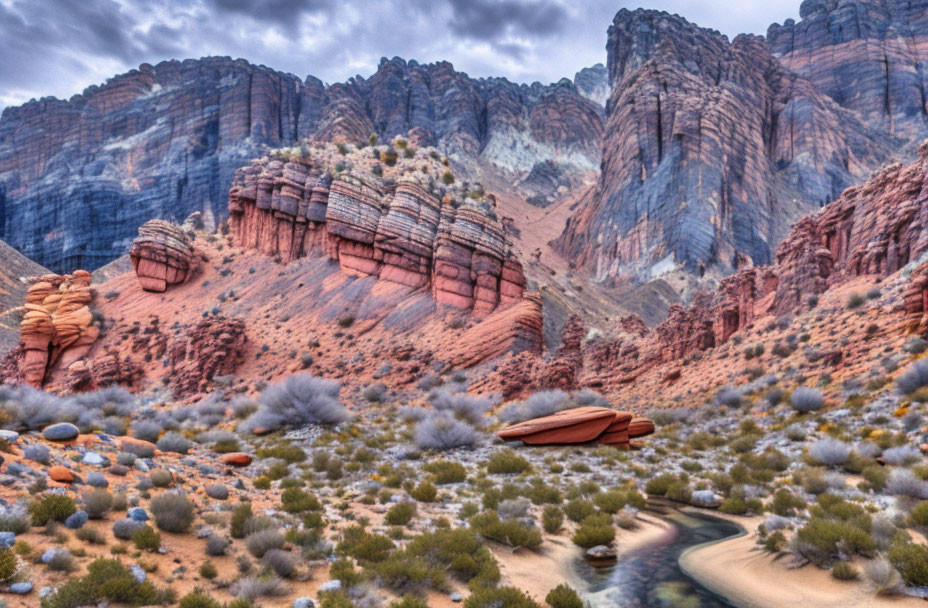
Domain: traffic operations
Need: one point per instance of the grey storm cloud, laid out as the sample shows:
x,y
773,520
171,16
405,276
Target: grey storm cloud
x,y
59,47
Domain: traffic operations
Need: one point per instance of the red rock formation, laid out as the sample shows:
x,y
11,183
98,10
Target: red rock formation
x,y
56,327
161,255
915,300
580,425
399,232
516,329
213,347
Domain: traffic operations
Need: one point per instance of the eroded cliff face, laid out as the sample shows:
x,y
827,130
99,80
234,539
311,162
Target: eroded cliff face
x,y
711,151
867,55
407,229
78,177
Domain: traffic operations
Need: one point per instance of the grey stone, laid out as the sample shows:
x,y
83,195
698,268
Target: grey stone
x,y
76,520
21,588
62,431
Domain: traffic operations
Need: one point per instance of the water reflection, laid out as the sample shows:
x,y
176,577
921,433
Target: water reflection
x,y
651,577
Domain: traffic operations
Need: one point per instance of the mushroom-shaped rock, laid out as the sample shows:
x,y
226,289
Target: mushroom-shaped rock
x,y
162,255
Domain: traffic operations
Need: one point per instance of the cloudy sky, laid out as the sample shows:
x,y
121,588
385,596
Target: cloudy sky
x,y
58,47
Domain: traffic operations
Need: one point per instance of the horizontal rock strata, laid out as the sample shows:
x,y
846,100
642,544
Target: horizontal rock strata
x,y
161,255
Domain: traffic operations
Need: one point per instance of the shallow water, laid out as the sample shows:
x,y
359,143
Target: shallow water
x,y
651,576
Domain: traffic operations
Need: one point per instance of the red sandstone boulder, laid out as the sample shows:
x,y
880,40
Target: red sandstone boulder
x,y
162,255
577,425
60,474
236,459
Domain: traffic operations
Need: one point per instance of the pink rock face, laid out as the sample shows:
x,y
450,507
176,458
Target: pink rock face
x,y
400,232
213,347
162,255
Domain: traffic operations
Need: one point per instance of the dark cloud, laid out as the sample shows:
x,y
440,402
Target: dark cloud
x,y
59,47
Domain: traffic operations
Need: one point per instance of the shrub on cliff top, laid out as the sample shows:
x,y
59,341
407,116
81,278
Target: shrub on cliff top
x,y
298,400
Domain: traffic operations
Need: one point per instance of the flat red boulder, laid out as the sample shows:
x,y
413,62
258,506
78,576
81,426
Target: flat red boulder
x,y
577,425
61,474
640,427
236,459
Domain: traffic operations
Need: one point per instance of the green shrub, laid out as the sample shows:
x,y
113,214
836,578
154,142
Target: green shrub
x,y
828,537
410,601
595,530
447,178
446,472
844,571
504,597
424,492
919,514
552,518
146,539
507,461
775,541
578,509
208,570
733,506
911,560
286,451
107,579
198,600
8,565
785,503
658,486
400,514
563,596
510,532
240,517
51,507
296,500
172,512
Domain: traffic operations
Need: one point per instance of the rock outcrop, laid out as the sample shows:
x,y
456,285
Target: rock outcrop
x,y
402,231
57,327
580,425
161,255
867,55
711,151
164,141
196,355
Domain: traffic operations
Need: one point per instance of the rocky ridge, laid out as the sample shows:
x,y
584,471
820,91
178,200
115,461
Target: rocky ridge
x,y
711,151
164,141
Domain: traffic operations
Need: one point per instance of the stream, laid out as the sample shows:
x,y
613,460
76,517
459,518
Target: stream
x,y
651,577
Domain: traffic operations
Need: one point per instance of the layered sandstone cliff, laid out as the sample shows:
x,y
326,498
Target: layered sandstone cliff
x,y
164,141
408,229
711,151
161,255
867,55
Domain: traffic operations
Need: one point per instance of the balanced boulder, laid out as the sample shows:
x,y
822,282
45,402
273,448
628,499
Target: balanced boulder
x,y
161,255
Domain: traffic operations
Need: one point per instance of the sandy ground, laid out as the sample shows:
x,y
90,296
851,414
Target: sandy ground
x,y
752,578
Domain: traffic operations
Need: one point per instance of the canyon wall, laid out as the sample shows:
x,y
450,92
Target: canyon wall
x,y
396,230
711,151
78,177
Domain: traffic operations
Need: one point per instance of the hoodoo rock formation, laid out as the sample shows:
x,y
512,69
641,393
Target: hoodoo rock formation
x,y
711,151
161,255
400,231
164,141
57,327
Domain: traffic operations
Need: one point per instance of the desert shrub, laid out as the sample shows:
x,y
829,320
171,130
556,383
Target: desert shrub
x,y
161,478
876,476
51,507
442,431
296,500
506,461
281,562
510,532
90,535
806,399
830,452
911,560
484,597
197,599
822,539
174,442
107,580
902,455
410,601
728,396
659,485
8,564
734,505
903,482
552,518
37,453
578,509
262,541
539,404
563,596
844,571
855,300
882,577
97,503
62,561
251,588
595,530
919,514
375,393
446,471
147,430
514,508
14,520
216,545
785,503
775,541
240,516
173,512
913,378
125,528
915,346
296,401
463,406
400,514
424,492
146,539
